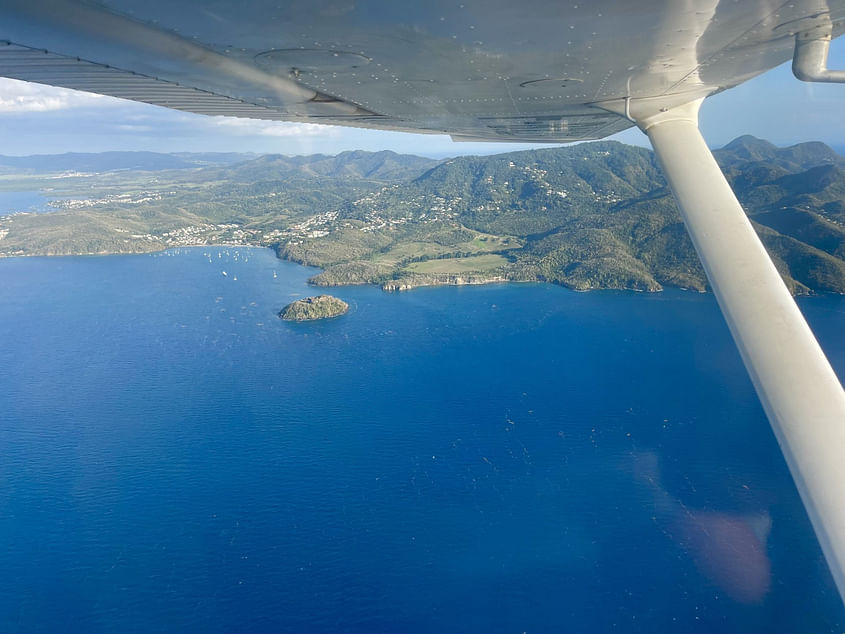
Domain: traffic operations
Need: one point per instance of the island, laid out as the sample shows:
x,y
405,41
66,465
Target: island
x,y
311,308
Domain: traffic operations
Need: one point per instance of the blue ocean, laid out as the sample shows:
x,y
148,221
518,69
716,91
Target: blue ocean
x,y
504,458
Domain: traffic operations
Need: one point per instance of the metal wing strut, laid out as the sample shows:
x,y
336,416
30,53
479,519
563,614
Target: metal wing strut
x,y
799,390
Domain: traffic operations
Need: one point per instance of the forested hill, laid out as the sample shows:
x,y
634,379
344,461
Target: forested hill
x,y
595,215
599,215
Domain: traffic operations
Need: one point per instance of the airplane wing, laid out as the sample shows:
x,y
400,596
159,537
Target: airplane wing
x,y
498,70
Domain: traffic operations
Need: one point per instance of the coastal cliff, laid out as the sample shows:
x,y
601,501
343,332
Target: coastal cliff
x,y
406,283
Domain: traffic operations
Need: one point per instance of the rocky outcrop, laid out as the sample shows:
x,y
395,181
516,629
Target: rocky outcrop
x,y
311,308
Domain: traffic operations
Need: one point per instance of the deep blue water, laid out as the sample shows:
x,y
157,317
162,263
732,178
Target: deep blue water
x,y
509,458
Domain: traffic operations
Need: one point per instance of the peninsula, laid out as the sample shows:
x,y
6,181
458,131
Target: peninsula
x,y
311,308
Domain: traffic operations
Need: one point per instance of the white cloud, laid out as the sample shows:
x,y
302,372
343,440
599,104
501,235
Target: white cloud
x,y
21,96
25,97
259,127
134,128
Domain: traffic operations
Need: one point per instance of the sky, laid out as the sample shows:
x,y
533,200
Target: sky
x,y
37,119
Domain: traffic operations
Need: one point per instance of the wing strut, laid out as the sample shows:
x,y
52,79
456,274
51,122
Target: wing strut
x,y
799,390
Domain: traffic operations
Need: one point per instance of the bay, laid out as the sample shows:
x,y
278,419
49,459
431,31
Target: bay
x,y
23,201
12,202
499,458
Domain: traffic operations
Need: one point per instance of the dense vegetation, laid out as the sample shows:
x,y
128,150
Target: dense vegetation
x,y
594,215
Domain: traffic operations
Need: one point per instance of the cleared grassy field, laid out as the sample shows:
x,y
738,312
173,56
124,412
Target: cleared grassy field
x,y
412,250
475,264
481,243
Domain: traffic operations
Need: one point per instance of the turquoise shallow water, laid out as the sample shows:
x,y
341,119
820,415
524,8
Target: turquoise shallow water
x,y
502,458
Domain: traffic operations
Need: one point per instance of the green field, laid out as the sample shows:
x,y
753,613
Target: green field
x,y
412,250
475,264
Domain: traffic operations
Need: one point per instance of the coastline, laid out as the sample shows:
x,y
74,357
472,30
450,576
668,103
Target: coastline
x,y
399,284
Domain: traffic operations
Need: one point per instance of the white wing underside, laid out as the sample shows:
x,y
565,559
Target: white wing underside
x,y
535,70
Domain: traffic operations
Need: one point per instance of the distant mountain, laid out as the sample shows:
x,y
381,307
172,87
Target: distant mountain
x,y
747,150
201,159
383,165
113,161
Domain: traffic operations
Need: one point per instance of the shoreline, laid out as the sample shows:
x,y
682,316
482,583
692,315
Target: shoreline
x,y
391,286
